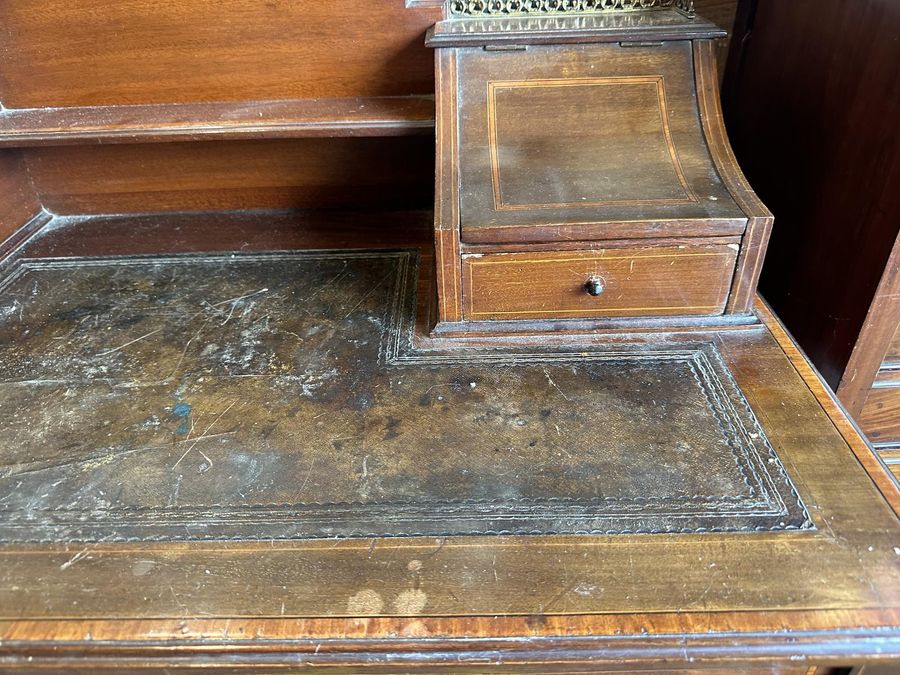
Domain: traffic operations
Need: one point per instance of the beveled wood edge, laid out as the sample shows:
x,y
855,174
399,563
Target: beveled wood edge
x,y
878,330
759,226
170,122
592,231
598,244
612,639
25,233
598,329
843,422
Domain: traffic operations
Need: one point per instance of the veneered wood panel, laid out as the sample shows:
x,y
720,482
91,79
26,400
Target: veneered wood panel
x,y
546,165
94,52
658,281
620,125
18,202
342,173
812,114
880,417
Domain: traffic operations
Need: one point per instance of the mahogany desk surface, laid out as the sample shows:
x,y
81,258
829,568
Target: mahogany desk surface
x,y
762,592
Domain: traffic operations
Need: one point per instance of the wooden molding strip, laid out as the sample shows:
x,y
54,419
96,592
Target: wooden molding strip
x,y
23,235
594,642
874,341
850,431
153,123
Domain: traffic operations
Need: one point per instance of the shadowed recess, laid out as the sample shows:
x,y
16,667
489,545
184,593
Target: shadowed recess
x,y
281,395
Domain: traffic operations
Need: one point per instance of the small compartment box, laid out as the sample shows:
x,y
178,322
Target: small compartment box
x,y
584,172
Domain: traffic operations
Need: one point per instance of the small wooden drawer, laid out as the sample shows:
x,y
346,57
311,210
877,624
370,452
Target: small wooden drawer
x,y
638,282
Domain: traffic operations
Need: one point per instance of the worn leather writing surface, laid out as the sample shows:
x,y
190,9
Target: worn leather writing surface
x,y
280,396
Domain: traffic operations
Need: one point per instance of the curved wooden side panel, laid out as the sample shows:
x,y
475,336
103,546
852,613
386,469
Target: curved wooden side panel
x,y
759,227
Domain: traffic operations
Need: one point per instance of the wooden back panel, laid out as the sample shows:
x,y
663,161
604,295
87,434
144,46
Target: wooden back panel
x,y
18,201
95,52
347,173
817,136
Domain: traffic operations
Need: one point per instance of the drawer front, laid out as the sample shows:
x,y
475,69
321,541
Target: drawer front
x,y
659,281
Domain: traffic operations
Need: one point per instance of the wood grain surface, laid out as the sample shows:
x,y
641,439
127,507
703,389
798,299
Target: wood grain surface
x,y
344,173
533,603
656,281
93,53
880,416
643,158
801,119
299,118
873,353
19,203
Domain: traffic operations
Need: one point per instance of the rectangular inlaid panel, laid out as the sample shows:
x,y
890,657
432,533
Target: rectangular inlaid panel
x,y
264,396
661,281
579,134
557,164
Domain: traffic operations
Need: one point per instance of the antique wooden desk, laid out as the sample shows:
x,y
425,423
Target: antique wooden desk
x,y
263,410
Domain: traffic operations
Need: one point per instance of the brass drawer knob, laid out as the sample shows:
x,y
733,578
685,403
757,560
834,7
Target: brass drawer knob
x,y
595,286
